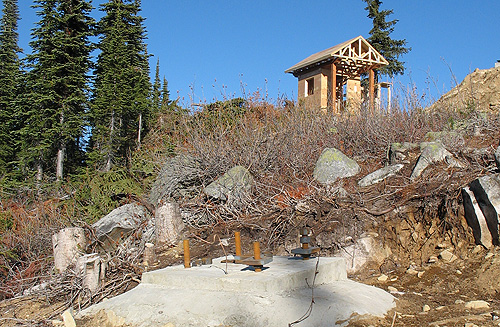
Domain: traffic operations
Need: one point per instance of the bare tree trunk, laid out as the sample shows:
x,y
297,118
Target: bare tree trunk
x,y
139,132
61,152
168,223
110,143
68,244
60,162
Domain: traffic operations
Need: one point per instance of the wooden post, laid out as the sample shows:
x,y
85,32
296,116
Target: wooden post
x,y
168,223
237,241
372,90
333,89
389,100
187,257
68,244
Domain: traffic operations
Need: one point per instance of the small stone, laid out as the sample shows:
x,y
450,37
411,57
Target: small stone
x,y
459,272
477,249
395,278
469,324
432,259
411,271
392,289
426,308
440,308
459,302
488,256
420,274
447,256
478,304
68,319
382,278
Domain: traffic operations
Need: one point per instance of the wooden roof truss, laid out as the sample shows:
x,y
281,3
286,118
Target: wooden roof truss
x,y
352,58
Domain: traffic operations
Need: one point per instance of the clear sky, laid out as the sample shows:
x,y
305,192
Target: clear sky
x,y
214,49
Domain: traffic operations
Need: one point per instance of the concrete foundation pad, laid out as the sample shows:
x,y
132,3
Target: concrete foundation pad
x,y
280,275
245,298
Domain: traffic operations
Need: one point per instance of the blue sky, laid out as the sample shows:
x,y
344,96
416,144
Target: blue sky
x,y
216,49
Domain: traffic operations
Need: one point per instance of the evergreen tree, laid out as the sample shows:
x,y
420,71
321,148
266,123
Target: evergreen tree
x,y
122,88
58,84
380,39
156,94
9,82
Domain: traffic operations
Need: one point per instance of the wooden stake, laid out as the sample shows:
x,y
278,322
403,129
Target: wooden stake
x,y
187,258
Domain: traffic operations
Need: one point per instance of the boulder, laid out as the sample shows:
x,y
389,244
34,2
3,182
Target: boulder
x,y
481,200
233,186
368,248
379,175
433,152
397,151
179,176
332,165
123,219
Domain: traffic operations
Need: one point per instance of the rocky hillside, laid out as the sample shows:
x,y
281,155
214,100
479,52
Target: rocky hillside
x,y
479,90
384,190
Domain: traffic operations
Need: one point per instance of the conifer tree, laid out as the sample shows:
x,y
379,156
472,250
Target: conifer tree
x,y
122,87
156,94
58,83
380,39
9,82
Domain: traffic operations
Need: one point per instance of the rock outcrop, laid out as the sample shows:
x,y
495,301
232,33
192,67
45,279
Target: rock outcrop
x,y
332,165
478,90
379,175
123,219
481,200
179,176
233,186
433,152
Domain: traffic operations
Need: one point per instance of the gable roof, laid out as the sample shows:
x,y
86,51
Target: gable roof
x,y
355,51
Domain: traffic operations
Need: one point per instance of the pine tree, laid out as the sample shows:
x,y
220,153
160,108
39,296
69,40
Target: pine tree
x,y
58,84
10,74
380,39
122,88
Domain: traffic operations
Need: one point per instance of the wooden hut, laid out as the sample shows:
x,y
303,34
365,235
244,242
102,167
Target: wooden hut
x,y
322,76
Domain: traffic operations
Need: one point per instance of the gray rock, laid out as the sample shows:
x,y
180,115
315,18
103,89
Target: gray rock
x,y
379,175
121,220
397,151
481,201
332,165
233,186
433,152
179,176
497,157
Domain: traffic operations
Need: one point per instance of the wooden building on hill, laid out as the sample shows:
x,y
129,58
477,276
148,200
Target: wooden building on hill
x,y
325,73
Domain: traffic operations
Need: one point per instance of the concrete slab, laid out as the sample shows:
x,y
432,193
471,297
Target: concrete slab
x,y
173,297
280,275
